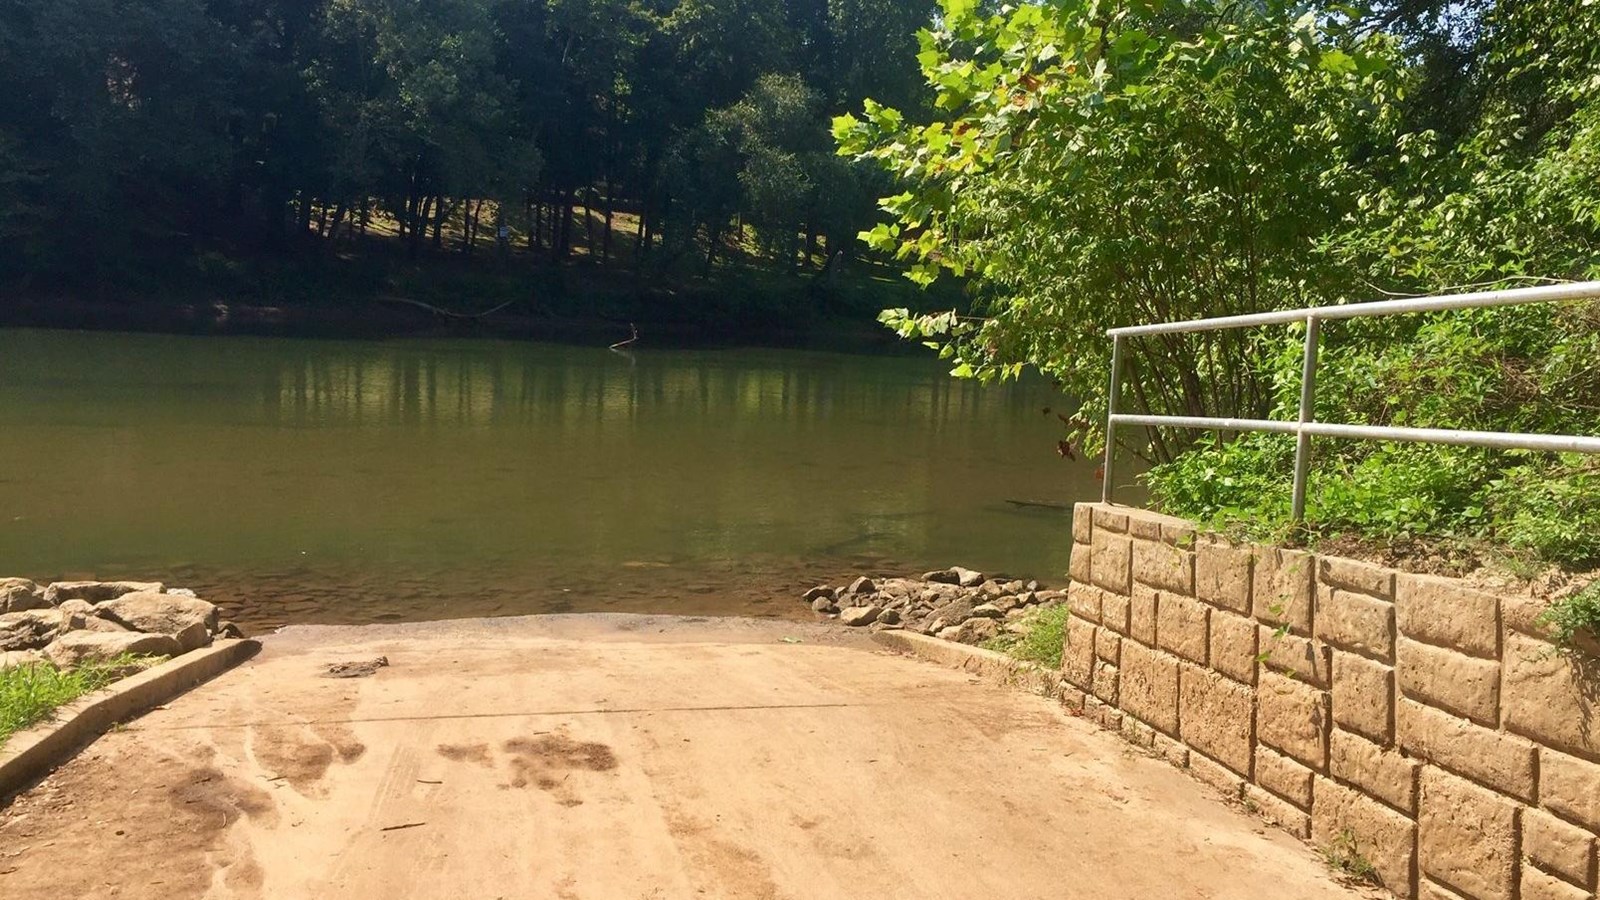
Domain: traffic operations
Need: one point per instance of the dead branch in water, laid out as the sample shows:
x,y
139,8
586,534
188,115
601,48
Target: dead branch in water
x,y
445,312
620,345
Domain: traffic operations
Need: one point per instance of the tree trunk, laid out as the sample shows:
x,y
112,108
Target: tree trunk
x,y
611,204
588,221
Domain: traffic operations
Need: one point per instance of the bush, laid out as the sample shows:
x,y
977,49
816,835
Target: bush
x,y
30,693
1530,369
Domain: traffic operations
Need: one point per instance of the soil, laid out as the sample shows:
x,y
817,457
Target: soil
x,y
626,757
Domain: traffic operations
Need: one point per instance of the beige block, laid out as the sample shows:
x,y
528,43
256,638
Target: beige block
x,y
1114,611
1217,775
1558,847
1084,600
1080,565
1464,685
1380,835
1277,812
1181,626
1292,717
1222,574
1522,614
1179,533
1466,836
1142,615
1570,787
1284,777
1110,718
1536,885
1071,697
1134,731
1363,696
1216,716
1442,612
1427,890
1149,687
1545,697
1301,657
1082,522
1354,575
1162,566
1501,761
1112,563
1379,773
1144,525
1356,622
1108,645
1233,645
1172,751
1077,655
1105,684
1110,518
1280,591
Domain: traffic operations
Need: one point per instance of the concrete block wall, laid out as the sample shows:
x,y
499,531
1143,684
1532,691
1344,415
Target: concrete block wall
x,y
1430,724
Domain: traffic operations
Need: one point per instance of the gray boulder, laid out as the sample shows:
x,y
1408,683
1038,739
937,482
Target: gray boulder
x,y
967,577
818,593
942,576
987,611
955,612
19,594
889,617
859,615
862,585
823,605
153,613
30,629
77,647
96,591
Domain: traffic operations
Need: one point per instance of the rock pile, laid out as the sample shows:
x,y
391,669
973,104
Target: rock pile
x,y
71,622
954,604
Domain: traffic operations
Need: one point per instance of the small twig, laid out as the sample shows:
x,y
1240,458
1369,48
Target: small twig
x,y
398,827
428,781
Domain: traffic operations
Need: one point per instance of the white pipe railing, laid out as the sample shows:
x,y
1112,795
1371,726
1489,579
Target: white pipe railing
x,y
1305,426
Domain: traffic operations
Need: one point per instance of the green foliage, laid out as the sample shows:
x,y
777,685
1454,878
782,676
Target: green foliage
x,y
1042,640
1345,856
1093,166
1533,369
1575,616
30,693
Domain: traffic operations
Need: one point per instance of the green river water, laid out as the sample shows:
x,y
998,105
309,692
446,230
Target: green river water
x,y
339,481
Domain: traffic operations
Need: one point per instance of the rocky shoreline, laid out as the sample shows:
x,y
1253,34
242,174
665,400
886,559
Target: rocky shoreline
x,y
68,623
954,604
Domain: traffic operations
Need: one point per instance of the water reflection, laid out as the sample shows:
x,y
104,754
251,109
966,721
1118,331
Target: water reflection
x,y
343,481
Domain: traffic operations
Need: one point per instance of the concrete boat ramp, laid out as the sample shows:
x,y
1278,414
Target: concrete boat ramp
x,y
622,757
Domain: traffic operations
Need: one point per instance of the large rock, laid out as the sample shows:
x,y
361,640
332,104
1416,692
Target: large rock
x,y
96,591
153,613
943,576
862,585
817,593
76,647
824,605
9,658
955,612
967,577
859,615
18,594
29,629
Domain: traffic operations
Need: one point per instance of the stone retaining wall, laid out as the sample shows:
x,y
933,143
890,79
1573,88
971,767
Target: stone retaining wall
x,y
1428,724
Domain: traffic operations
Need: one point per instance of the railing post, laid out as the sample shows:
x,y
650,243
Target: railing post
x,y
1111,418
1308,408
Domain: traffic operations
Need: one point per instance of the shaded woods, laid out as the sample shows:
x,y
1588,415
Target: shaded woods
x,y
299,149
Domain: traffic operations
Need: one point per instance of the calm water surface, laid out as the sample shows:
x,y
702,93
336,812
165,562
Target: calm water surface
x,y
329,481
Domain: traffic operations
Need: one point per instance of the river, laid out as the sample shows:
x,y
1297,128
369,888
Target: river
x,y
297,480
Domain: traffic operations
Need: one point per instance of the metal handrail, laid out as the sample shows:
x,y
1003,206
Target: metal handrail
x,y
1305,426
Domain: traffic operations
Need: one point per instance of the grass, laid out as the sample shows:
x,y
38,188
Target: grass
x,y
1041,641
1570,617
1345,857
30,693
